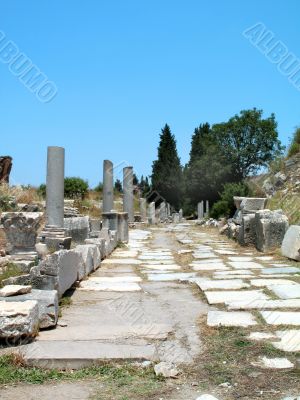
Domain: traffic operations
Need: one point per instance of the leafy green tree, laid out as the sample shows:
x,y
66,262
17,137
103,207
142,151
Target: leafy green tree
x,y
75,187
99,187
248,141
167,178
207,169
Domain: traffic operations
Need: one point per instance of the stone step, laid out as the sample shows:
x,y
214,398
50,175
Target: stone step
x,y
80,354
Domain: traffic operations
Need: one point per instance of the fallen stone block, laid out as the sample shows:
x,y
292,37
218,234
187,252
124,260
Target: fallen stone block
x,y
14,290
18,319
291,243
271,227
47,301
91,259
247,231
58,271
78,228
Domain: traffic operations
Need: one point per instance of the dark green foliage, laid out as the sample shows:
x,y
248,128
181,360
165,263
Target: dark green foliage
x,y
144,186
42,190
248,141
75,188
295,145
99,187
207,169
118,186
135,180
167,177
225,206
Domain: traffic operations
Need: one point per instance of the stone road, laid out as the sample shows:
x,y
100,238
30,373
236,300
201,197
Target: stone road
x,y
142,303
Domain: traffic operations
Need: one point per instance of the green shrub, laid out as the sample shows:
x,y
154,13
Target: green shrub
x,y
295,145
42,190
220,209
75,188
225,206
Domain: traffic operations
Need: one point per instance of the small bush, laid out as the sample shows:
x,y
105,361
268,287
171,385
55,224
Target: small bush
x,y
42,190
225,206
220,209
75,188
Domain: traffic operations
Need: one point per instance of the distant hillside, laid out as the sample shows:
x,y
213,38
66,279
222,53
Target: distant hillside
x,y
282,187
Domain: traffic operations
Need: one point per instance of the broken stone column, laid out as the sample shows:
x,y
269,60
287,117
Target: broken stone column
x,y
291,243
151,213
123,231
201,210
271,227
175,218
247,230
108,186
162,212
168,210
55,186
128,198
143,209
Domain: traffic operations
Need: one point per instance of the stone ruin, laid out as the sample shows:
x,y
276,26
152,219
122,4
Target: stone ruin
x,y
5,168
49,265
252,224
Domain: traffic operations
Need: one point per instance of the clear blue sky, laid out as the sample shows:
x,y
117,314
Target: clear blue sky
x,y
125,68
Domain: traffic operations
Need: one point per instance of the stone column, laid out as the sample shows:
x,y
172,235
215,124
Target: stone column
x,y
108,186
55,187
168,210
180,215
207,209
128,199
201,210
151,213
143,209
123,232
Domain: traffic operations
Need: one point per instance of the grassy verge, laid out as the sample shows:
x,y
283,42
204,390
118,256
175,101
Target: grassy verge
x,y
116,381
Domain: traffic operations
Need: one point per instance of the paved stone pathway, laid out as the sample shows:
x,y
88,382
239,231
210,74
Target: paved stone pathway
x,y
142,304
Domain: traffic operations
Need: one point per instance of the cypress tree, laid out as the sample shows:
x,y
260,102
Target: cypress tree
x,y
167,177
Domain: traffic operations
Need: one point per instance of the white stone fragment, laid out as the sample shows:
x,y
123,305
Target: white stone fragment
x,y
273,363
14,290
165,369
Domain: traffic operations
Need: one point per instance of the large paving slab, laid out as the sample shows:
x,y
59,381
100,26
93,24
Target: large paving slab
x,y
245,265
280,270
289,340
129,261
268,282
219,297
221,284
273,363
263,304
93,284
290,291
281,317
225,318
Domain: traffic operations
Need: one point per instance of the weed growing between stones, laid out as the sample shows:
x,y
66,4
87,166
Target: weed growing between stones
x,y
8,271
